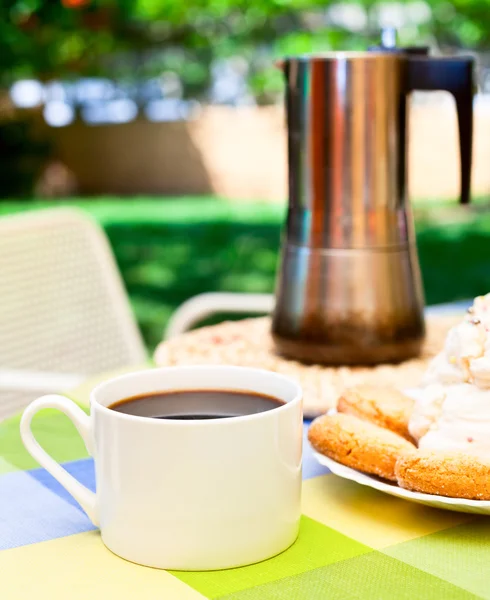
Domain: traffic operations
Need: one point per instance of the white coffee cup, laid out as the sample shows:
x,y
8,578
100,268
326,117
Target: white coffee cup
x,y
188,495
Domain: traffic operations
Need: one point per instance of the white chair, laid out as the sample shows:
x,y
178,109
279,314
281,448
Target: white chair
x,y
64,312
204,305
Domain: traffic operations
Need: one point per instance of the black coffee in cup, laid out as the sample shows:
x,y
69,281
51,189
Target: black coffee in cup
x,y
192,405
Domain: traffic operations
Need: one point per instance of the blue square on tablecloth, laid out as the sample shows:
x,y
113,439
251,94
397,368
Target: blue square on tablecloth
x,y
82,470
30,512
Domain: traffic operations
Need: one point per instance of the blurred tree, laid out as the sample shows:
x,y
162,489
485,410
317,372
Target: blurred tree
x,y
58,38
133,40
23,153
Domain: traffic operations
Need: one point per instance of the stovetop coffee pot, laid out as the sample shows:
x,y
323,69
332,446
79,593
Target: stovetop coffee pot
x,y
349,288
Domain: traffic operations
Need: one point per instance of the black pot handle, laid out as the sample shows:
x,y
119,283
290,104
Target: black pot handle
x,y
454,75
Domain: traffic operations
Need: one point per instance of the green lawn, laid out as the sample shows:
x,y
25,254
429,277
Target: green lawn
x,y
171,249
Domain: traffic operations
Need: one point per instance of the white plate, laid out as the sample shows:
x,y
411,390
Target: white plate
x,y
479,507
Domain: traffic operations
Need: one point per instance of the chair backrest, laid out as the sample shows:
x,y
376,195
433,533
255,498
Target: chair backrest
x,y
63,306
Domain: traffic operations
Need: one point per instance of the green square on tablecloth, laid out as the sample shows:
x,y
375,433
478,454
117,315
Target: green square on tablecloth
x,y
460,555
372,576
6,467
317,545
52,429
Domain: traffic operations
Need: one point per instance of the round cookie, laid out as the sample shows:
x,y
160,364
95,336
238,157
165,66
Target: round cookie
x,y
445,474
358,444
386,407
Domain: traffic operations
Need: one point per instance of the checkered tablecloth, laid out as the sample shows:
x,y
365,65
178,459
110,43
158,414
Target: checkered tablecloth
x,y
354,542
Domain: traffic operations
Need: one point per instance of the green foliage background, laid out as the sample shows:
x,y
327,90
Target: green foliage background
x,y
171,249
128,38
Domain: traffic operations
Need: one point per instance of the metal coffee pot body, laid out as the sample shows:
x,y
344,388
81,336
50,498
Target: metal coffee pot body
x,y
349,288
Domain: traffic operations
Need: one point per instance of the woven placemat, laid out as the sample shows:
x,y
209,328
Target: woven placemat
x,y
248,343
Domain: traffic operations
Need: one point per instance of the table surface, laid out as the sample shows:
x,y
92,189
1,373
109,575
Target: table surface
x,y
354,542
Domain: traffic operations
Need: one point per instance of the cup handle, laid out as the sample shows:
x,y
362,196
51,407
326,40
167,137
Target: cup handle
x,y
85,497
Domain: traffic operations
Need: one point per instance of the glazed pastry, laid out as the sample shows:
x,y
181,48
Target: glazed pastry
x,y
382,406
359,444
450,474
